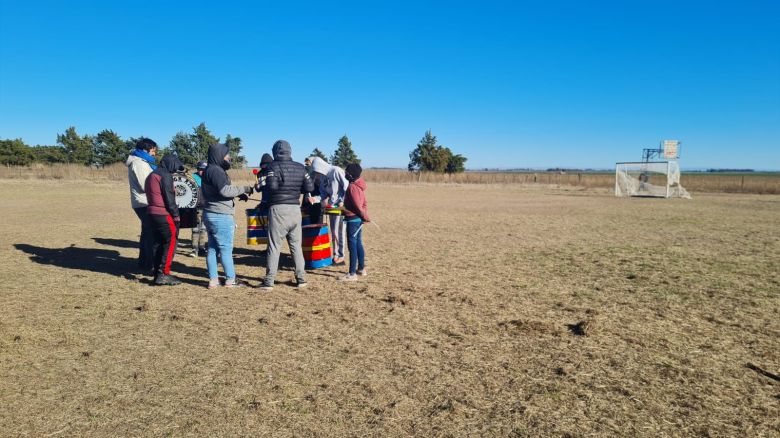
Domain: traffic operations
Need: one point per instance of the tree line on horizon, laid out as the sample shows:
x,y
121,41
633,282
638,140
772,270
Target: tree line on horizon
x,y
107,147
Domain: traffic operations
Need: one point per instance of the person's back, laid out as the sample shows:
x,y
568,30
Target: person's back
x,y
286,181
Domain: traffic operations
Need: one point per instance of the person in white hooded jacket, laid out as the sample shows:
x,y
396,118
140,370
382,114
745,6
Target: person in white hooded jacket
x,y
333,189
140,165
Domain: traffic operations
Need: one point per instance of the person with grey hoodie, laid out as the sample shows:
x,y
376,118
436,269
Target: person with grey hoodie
x,y
218,211
333,189
286,180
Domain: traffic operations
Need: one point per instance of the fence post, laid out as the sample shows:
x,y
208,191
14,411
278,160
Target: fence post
x,y
742,184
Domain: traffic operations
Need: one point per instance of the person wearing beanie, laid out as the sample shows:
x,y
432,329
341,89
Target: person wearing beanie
x,y
219,208
333,188
286,181
355,215
199,231
262,182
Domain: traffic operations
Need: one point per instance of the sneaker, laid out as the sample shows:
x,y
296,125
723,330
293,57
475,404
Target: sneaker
x,y
337,261
362,272
234,283
348,277
193,254
301,284
214,283
265,286
166,280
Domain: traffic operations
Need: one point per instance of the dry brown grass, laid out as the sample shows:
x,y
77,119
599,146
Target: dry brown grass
x,y
465,326
708,183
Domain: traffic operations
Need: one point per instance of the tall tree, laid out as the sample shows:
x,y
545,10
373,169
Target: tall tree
x,y
109,148
318,153
428,156
15,153
344,154
234,146
201,140
182,144
78,149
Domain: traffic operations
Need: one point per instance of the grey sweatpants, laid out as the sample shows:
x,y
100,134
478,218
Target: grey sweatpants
x,y
338,233
284,222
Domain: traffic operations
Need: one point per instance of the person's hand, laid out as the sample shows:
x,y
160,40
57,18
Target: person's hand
x,y
340,204
248,190
243,197
176,219
311,200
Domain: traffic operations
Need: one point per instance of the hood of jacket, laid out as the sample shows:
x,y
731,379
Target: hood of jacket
x,y
217,153
282,151
319,165
172,163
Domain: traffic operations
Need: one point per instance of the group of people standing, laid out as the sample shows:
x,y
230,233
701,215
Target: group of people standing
x,y
281,183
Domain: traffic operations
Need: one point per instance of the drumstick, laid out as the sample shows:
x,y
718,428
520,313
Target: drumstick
x,y
358,230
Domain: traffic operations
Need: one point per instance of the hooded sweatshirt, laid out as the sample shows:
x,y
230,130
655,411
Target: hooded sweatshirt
x,y
218,192
334,184
286,179
137,171
355,203
160,195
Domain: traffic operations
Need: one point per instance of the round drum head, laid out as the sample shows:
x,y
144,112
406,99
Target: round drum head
x,y
186,190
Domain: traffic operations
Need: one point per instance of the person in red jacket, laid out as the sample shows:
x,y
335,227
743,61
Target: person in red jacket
x,y
356,214
164,217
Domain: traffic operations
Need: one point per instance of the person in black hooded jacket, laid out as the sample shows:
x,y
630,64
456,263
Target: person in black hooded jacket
x,y
218,211
163,215
286,181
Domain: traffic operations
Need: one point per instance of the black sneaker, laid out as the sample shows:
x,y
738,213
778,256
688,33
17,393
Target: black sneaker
x,y
166,280
265,286
301,284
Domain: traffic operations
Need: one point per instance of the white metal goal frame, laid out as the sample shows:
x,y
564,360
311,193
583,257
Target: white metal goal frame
x,y
639,179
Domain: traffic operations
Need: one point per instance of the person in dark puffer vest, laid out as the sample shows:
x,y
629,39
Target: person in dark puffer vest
x,y
163,215
286,181
355,215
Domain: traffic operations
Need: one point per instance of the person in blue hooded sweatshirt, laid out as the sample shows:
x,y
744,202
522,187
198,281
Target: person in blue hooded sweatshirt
x,y
219,196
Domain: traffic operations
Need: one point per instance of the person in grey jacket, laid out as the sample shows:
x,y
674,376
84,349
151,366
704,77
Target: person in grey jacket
x,y
333,189
286,181
218,212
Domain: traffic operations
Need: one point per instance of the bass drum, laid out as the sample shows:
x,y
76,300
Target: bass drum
x,y
186,190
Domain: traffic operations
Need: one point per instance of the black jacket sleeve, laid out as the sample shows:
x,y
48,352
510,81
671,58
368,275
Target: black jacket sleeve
x,y
169,195
308,184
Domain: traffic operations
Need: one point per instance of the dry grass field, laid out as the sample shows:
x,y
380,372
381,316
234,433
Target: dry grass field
x,y
490,310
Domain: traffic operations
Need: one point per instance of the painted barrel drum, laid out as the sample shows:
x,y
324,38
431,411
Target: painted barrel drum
x,y
256,227
316,246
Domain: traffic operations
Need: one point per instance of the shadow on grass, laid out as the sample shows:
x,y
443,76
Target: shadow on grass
x,y
252,257
255,258
102,261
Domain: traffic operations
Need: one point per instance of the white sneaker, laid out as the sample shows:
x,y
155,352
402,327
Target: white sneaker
x,y
362,272
348,277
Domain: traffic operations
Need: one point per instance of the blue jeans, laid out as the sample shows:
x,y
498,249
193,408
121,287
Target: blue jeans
x,y
220,228
357,254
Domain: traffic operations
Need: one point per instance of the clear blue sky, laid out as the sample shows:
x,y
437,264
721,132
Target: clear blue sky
x,y
508,84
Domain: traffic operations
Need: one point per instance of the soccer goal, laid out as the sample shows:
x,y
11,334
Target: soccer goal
x,y
660,179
